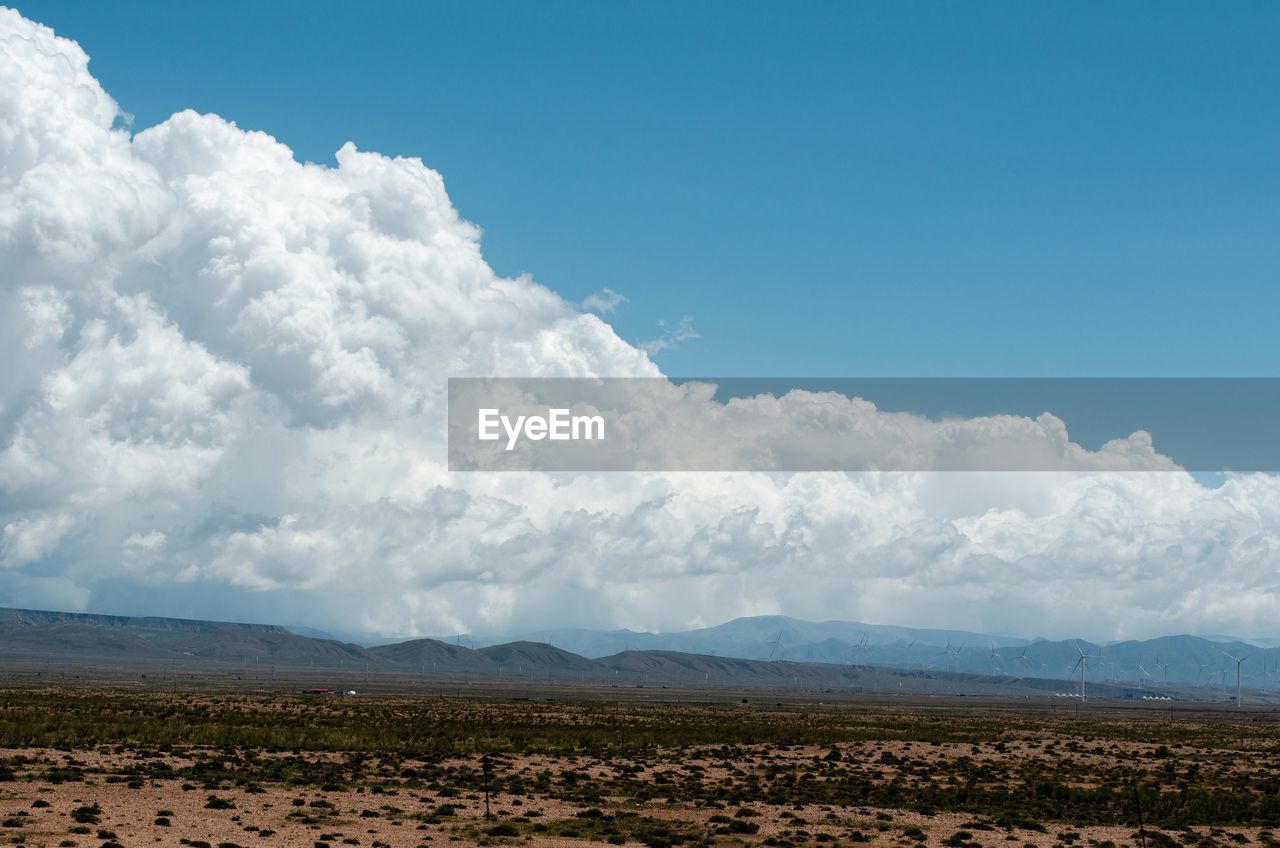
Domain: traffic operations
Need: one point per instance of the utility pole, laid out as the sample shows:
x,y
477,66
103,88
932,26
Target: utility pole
x,y
1137,802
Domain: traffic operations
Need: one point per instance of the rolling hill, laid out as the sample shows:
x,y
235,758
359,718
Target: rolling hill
x,y
763,651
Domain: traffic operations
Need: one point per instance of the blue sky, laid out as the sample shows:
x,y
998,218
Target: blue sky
x,y
828,189
243,416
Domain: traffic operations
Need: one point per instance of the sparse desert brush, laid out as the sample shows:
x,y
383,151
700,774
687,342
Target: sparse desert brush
x,y
423,754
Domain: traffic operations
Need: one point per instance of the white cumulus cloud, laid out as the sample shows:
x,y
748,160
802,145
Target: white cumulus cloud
x,y
605,301
225,384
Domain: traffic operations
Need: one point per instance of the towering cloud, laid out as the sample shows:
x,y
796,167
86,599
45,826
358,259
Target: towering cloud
x,y
223,395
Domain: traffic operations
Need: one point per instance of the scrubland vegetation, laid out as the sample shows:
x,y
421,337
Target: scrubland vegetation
x,y
396,771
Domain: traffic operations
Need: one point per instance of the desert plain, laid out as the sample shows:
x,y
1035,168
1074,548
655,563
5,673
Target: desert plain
x,y
103,767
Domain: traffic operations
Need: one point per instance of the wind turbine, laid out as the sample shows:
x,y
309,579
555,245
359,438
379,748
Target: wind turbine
x,y
1238,661
776,643
1103,665
865,648
1083,664
910,645
947,652
993,659
1164,668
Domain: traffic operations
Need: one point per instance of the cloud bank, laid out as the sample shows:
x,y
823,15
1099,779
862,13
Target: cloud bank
x,y
224,391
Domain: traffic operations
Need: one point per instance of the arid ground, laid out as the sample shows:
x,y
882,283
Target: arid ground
x,y
103,768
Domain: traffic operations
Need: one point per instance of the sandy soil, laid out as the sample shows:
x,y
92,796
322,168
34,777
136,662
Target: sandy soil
x,y
39,812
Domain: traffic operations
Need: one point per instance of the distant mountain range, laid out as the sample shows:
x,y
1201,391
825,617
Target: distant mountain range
x,y
759,637
1176,659
763,650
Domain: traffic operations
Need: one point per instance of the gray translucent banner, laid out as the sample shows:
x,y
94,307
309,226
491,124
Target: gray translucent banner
x,y
864,424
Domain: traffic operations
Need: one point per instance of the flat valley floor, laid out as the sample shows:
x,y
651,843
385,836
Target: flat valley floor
x,y
111,768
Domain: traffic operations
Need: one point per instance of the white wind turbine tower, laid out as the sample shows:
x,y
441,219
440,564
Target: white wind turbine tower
x,y
947,652
1083,664
777,643
1164,669
1103,665
1238,661
910,645
993,659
